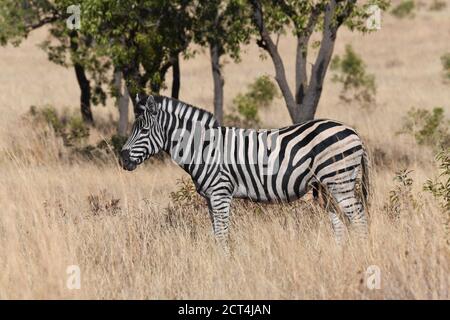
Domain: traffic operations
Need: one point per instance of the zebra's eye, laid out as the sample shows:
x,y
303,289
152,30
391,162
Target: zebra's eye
x,y
145,131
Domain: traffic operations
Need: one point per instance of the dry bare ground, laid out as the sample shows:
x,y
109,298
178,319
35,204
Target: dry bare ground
x,y
131,241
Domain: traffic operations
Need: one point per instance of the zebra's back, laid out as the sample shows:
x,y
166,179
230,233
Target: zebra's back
x,y
280,164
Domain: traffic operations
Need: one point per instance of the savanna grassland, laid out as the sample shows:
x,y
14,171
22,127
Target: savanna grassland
x,y
132,240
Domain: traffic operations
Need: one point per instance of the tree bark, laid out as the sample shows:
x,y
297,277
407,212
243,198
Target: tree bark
x,y
83,83
307,95
218,80
122,101
267,44
85,97
132,81
319,69
176,78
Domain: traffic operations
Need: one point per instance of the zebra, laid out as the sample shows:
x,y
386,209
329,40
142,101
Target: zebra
x,y
268,165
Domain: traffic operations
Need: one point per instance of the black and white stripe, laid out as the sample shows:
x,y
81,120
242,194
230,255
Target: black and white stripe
x,y
277,165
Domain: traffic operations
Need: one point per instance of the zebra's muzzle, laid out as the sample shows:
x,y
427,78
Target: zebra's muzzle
x,y
126,162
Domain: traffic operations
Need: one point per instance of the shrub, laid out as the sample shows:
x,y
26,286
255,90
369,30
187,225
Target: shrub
x,y
401,198
103,203
437,5
186,195
70,128
440,187
445,59
262,91
245,111
74,134
117,142
77,131
404,9
350,71
428,127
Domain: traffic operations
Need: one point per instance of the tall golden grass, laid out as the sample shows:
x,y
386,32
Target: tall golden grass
x,y
131,241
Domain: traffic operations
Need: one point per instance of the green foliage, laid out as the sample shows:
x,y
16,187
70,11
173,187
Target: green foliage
x,y
71,129
262,91
260,94
428,127
350,71
139,37
117,142
445,59
64,46
222,23
440,187
404,9
17,18
247,110
186,195
401,198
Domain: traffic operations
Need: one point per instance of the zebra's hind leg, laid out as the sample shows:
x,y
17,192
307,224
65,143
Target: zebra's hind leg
x,y
219,209
343,193
329,206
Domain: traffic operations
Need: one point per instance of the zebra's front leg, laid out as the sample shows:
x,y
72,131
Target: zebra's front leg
x,y
219,209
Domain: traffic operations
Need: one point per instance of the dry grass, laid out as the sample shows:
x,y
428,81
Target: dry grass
x,y
128,245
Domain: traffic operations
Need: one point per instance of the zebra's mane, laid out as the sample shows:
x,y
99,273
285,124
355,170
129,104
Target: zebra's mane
x,y
176,105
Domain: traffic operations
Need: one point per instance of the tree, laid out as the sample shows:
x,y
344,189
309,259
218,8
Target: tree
x,y
304,18
120,91
143,39
64,46
222,26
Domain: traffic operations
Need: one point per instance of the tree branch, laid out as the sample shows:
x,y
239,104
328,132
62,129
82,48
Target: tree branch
x,y
267,44
319,69
301,76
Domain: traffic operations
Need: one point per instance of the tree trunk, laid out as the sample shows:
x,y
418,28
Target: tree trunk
x,y
122,101
319,69
85,97
307,96
218,81
176,78
132,82
267,44
83,83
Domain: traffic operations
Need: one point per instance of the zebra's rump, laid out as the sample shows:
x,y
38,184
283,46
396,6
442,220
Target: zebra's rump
x,y
280,164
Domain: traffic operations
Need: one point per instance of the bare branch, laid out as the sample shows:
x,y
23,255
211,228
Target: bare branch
x,y
267,44
320,66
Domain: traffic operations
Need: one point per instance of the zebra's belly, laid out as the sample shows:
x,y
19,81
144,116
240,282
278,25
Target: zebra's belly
x,y
269,195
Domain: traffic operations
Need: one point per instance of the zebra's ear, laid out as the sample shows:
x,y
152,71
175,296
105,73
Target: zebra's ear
x,y
139,107
151,105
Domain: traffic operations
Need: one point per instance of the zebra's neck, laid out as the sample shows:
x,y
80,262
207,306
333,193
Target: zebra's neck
x,y
181,121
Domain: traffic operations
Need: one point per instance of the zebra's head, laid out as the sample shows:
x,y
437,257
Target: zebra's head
x,y
146,138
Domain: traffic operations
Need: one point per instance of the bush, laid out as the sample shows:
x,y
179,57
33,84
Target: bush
x,y
70,128
401,198
245,111
437,5
404,9
445,59
74,134
440,187
350,71
103,203
186,195
428,127
262,91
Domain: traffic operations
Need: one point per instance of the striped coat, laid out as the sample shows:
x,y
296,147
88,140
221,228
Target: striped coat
x,y
276,165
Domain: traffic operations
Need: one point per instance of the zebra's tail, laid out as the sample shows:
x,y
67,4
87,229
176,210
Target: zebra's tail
x,y
366,187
